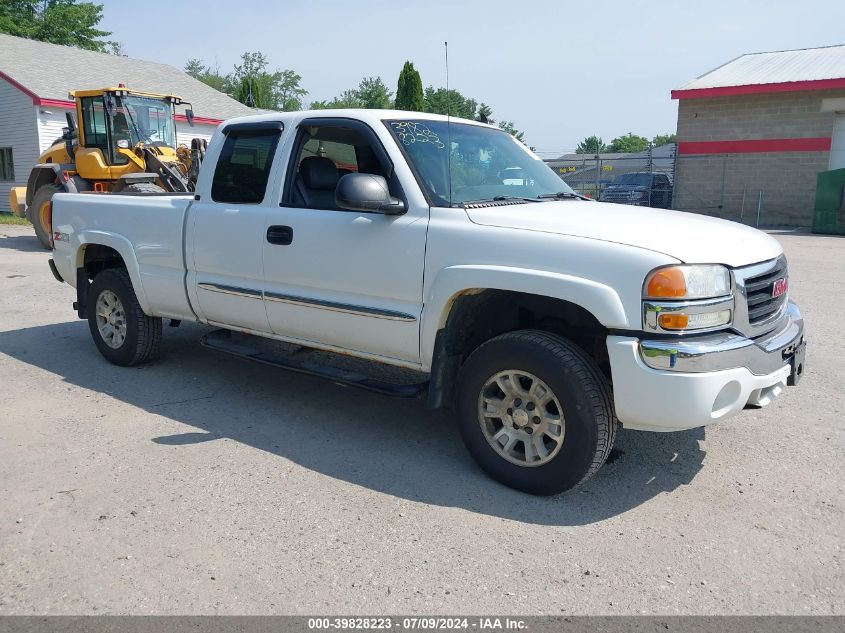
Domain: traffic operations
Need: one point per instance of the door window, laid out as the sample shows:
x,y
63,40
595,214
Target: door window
x,y
325,154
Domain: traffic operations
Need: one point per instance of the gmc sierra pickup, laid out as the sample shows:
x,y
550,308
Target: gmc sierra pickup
x,y
444,250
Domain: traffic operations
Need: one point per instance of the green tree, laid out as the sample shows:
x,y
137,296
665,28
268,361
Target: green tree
x,y
252,84
409,91
65,22
509,127
198,70
441,101
373,94
288,91
346,99
664,139
628,143
116,48
485,113
591,145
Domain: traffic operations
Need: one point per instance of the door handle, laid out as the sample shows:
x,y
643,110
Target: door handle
x,y
278,234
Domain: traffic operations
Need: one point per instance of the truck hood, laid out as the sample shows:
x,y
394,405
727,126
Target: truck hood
x,y
688,237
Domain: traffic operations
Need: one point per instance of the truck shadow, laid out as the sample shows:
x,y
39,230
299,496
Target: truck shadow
x,y
396,447
23,243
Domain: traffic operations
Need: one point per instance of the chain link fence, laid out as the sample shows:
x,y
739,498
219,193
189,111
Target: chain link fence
x,y
758,189
643,178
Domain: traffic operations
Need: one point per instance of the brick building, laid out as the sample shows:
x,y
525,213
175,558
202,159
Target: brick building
x,y
758,130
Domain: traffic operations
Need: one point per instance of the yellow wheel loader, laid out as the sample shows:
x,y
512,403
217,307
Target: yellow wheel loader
x,y
125,141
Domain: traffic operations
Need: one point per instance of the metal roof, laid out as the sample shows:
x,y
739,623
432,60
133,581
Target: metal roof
x,y
50,71
823,64
661,151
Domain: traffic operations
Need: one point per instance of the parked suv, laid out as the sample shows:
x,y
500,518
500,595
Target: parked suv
x,y
642,189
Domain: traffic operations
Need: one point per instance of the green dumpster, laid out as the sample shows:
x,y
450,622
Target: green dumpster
x,y
829,214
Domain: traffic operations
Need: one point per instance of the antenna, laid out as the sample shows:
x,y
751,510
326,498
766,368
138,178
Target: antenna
x,y
448,124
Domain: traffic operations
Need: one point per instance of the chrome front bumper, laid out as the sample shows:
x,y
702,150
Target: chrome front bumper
x,y
715,352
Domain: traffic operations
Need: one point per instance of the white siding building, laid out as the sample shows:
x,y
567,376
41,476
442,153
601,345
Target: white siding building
x,y
36,77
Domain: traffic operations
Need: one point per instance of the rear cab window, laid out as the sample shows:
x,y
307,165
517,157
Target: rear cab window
x,y
243,168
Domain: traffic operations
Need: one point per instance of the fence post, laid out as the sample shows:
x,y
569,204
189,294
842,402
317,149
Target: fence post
x,y
598,167
759,207
650,174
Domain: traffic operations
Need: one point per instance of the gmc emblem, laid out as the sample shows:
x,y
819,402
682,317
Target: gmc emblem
x,y
779,287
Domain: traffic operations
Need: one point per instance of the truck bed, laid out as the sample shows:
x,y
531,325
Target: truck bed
x,y
147,231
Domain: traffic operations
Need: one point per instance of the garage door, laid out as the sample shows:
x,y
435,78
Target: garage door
x,y
837,148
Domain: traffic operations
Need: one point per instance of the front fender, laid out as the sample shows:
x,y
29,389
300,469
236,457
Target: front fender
x,y
600,300
45,174
79,242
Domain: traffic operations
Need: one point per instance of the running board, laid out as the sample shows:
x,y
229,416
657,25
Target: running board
x,y
222,341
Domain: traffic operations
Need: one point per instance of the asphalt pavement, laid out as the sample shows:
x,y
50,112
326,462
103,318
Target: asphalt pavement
x,y
205,484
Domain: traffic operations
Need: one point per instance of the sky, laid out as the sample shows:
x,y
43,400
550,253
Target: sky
x,y
561,71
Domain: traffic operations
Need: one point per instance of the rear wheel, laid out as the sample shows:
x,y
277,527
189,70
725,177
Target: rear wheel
x,y
41,212
535,412
121,331
144,187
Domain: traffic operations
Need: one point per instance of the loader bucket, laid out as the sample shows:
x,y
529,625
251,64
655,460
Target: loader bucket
x,y
17,201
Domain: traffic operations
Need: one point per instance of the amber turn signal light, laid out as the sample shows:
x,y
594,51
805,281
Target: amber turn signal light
x,y
674,321
668,282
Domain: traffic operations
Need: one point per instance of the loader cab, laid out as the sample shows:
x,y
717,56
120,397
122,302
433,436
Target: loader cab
x,y
112,124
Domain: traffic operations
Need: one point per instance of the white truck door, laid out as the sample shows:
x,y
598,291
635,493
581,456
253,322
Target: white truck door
x,y
226,229
346,279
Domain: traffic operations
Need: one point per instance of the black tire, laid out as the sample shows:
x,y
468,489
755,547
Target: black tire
x,y
144,187
36,213
584,395
143,333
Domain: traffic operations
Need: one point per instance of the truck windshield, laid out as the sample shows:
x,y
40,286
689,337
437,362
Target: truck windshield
x,y
145,120
484,163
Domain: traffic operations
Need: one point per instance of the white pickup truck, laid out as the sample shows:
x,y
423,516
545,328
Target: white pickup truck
x,y
449,251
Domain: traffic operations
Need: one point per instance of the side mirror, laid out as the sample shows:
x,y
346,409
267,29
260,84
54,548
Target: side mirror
x,y
367,192
189,114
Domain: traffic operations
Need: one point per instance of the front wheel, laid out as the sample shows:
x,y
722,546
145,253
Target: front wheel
x,y
120,329
41,212
535,412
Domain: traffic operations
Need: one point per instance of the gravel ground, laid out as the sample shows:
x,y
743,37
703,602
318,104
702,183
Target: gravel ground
x,y
201,483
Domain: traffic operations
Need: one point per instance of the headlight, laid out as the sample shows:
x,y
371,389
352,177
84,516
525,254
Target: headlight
x,y
688,297
698,281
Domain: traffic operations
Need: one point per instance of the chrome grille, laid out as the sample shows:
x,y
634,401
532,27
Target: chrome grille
x,y
610,196
760,311
758,294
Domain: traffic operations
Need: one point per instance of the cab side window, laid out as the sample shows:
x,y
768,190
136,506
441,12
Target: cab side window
x,y
325,154
243,168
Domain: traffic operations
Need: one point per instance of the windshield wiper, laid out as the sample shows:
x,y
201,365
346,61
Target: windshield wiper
x,y
498,199
501,198
562,195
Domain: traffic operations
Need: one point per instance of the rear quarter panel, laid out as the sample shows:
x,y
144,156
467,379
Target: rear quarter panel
x,y
147,231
